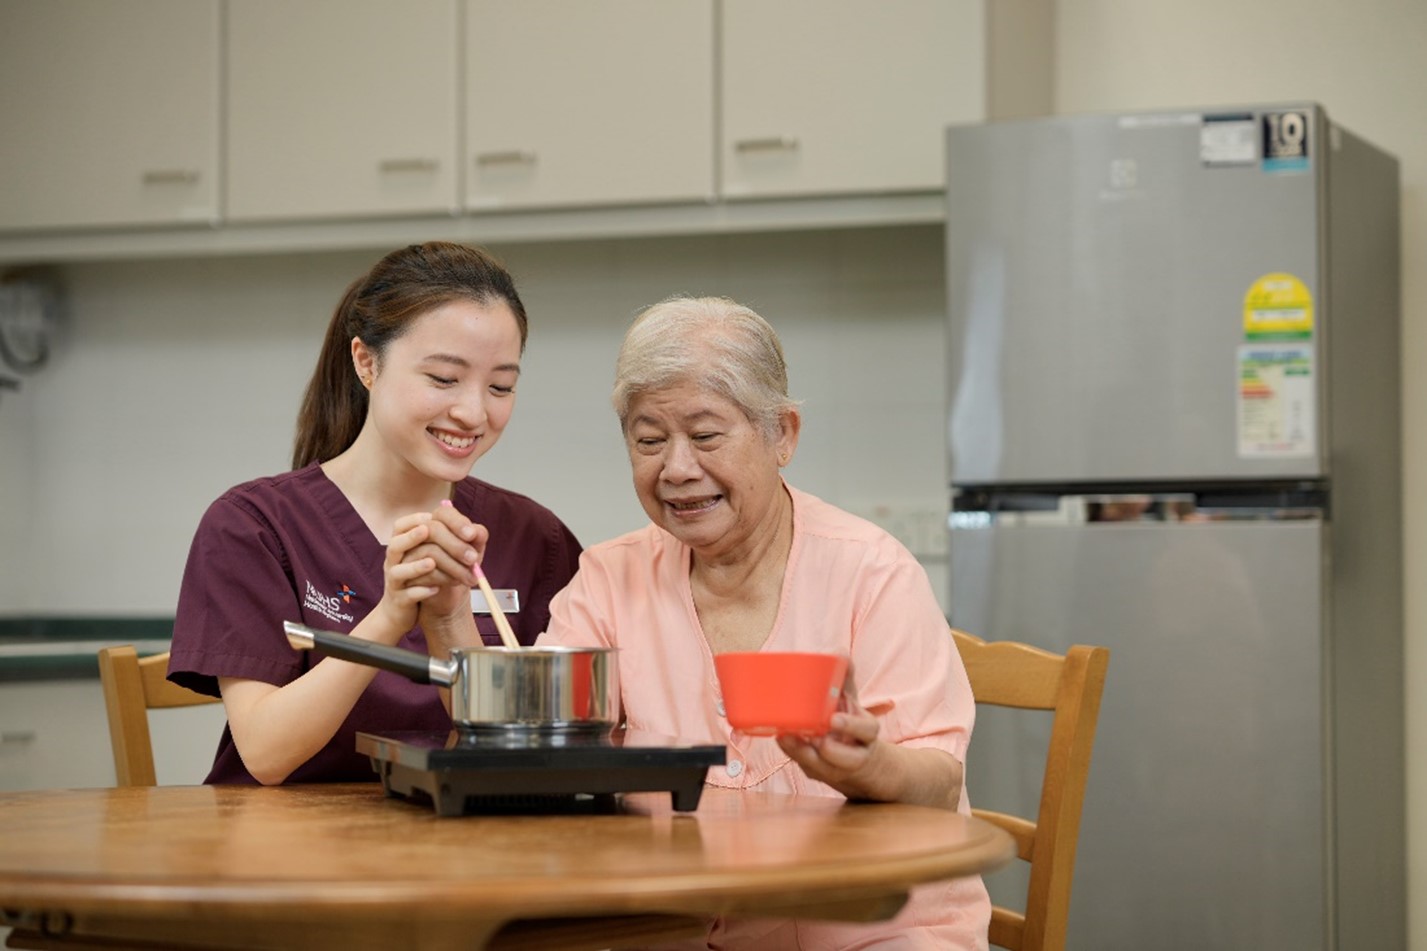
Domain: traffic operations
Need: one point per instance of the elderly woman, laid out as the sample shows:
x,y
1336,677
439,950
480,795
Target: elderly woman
x,y
738,560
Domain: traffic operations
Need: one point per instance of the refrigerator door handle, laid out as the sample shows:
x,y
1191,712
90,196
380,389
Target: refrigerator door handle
x,y
1137,507
1073,509
983,509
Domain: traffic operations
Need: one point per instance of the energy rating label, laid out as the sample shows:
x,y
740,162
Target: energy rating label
x,y
1277,417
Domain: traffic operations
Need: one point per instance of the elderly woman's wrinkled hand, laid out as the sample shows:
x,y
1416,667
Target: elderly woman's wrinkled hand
x,y
845,758
848,757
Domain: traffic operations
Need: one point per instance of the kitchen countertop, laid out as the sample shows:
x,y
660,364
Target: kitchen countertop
x,y
66,648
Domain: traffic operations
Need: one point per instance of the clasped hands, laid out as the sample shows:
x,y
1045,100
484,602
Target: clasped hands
x,y
429,571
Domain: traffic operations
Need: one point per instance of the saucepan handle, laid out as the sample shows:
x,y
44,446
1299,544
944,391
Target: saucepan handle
x,y
417,667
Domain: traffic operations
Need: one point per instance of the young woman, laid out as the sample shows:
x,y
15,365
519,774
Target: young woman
x,y
376,530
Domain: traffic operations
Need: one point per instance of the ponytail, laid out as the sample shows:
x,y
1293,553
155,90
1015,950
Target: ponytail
x,y
335,404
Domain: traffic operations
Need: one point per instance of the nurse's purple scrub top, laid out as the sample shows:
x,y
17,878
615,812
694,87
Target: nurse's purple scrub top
x,y
292,548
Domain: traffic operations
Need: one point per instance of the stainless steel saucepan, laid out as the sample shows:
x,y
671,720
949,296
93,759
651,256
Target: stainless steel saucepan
x,y
496,688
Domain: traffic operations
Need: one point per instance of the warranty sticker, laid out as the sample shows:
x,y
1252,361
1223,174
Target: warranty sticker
x,y
1278,307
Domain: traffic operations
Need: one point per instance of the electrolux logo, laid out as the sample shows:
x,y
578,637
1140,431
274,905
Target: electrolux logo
x,y
329,606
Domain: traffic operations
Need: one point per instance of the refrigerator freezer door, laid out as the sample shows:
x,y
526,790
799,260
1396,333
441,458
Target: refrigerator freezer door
x,y
1203,823
1098,269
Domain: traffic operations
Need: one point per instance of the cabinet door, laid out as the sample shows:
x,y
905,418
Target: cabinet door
x,y
54,734
341,108
109,112
829,96
588,103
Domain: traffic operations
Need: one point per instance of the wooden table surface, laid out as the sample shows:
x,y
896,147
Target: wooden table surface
x,y
344,866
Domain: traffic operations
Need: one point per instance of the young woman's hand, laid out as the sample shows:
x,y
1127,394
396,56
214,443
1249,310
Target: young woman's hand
x,y
407,576
453,547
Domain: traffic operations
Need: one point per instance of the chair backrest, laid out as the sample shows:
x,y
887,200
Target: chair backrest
x,y
1009,674
133,686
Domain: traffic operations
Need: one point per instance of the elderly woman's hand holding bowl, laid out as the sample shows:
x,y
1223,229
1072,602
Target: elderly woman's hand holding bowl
x,y
737,562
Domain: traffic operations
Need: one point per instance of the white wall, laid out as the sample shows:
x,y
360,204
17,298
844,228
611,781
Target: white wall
x,y
179,379
1366,62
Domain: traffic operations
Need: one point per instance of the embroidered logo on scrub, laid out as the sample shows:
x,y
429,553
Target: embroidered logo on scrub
x,y
329,606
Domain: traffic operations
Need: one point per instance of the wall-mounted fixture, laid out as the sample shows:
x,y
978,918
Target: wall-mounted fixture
x,y
29,316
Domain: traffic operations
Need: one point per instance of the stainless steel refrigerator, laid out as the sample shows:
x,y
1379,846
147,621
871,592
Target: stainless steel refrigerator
x,y
1173,430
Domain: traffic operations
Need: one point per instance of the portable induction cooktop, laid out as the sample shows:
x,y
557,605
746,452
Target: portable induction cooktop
x,y
461,772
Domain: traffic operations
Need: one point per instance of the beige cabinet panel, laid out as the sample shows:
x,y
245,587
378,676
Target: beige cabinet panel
x,y
588,103
108,112
54,734
341,108
844,96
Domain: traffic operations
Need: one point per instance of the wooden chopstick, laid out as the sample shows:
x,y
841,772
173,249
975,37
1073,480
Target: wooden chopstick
x,y
507,636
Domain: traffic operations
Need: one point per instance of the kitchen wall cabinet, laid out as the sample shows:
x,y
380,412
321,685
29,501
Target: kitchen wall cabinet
x,y
340,108
366,123
109,112
588,104
836,96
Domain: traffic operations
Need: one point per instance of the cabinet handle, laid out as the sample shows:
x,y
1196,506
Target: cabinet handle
x,y
409,165
17,737
509,157
171,176
772,143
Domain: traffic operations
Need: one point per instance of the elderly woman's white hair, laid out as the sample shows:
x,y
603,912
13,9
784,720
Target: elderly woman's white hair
x,y
713,343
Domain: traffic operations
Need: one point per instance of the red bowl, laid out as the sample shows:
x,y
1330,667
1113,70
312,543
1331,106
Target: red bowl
x,y
765,694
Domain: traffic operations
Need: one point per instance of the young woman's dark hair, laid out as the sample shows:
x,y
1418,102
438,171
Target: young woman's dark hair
x,y
378,308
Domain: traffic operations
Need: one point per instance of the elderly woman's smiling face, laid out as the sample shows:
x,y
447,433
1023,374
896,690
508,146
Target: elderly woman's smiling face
x,y
703,470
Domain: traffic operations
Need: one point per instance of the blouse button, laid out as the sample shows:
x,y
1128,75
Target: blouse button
x,y
734,768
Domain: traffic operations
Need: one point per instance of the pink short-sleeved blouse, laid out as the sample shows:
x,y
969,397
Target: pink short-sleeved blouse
x,y
849,587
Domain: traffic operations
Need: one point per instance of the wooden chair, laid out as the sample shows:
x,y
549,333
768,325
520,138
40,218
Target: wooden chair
x,y
132,687
1009,674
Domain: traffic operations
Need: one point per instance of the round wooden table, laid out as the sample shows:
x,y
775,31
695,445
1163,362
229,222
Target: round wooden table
x,y
343,866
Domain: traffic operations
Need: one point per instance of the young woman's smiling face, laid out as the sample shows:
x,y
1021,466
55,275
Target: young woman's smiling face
x,y
703,471
443,392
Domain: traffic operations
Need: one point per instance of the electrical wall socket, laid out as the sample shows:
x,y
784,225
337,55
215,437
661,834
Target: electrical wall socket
x,y
920,526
